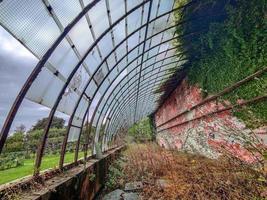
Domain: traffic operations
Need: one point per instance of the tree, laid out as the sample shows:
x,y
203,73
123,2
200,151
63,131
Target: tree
x,y
42,123
15,142
141,131
21,128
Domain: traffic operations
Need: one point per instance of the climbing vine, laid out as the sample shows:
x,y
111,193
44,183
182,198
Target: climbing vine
x,y
231,44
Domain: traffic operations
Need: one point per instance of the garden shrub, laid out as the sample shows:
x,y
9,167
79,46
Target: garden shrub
x,y
141,131
11,160
115,175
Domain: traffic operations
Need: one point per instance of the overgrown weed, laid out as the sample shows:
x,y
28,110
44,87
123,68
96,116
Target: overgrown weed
x,y
188,176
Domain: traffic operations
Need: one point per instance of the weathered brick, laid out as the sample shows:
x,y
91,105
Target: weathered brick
x,y
207,136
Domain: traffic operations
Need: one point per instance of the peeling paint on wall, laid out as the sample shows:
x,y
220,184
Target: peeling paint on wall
x,y
208,136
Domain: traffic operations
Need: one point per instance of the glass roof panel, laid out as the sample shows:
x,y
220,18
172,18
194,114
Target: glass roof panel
x,y
121,50
74,134
158,25
154,41
30,23
111,60
91,89
132,66
81,36
132,4
44,77
117,9
99,18
83,78
169,34
64,58
93,60
133,41
101,73
154,10
113,74
68,101
119,32
122,64
81,109
104,86
77,121
105,45
66,11
133,54
145,15
165,6
45,88
134,20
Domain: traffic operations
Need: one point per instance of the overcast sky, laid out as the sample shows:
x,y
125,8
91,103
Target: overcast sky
x,y
16,62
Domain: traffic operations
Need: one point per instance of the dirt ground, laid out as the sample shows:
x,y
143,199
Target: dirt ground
x,y
176,175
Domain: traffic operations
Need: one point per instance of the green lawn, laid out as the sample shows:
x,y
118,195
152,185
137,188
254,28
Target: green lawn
x,y
49,161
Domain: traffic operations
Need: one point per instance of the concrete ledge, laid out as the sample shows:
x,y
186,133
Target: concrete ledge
x,y
80,182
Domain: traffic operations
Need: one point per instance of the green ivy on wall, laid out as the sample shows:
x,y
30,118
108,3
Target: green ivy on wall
x,y
232,45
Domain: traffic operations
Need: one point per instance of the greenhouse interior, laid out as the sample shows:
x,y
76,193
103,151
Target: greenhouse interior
x,y
133,99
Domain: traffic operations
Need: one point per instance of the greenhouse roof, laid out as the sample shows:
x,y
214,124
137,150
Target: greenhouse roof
x,y
101,62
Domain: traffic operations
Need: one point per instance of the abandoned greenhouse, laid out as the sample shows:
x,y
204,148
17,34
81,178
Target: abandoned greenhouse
x,y
133,99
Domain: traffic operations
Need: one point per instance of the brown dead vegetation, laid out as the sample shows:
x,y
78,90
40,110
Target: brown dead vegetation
x,y
188,176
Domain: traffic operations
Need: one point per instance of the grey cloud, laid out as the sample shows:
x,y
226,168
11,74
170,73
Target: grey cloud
x,y
16,63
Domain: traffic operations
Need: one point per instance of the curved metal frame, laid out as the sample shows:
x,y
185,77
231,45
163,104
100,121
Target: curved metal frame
x,y
120,107
44,59
130,90
170,39
40,150
34,74
104,60
127,89
144,42
127,66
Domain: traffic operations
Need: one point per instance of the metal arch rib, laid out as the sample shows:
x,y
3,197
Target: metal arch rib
x,y
153,35
53,110
34,74
113,108
123,86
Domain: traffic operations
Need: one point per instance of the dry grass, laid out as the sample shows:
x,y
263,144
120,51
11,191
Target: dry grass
x,y
190,176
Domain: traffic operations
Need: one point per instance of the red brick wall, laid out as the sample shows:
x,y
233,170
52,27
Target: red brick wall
x,y
208,136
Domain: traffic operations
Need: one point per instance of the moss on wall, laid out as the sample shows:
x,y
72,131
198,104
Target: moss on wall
x,y
232,45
